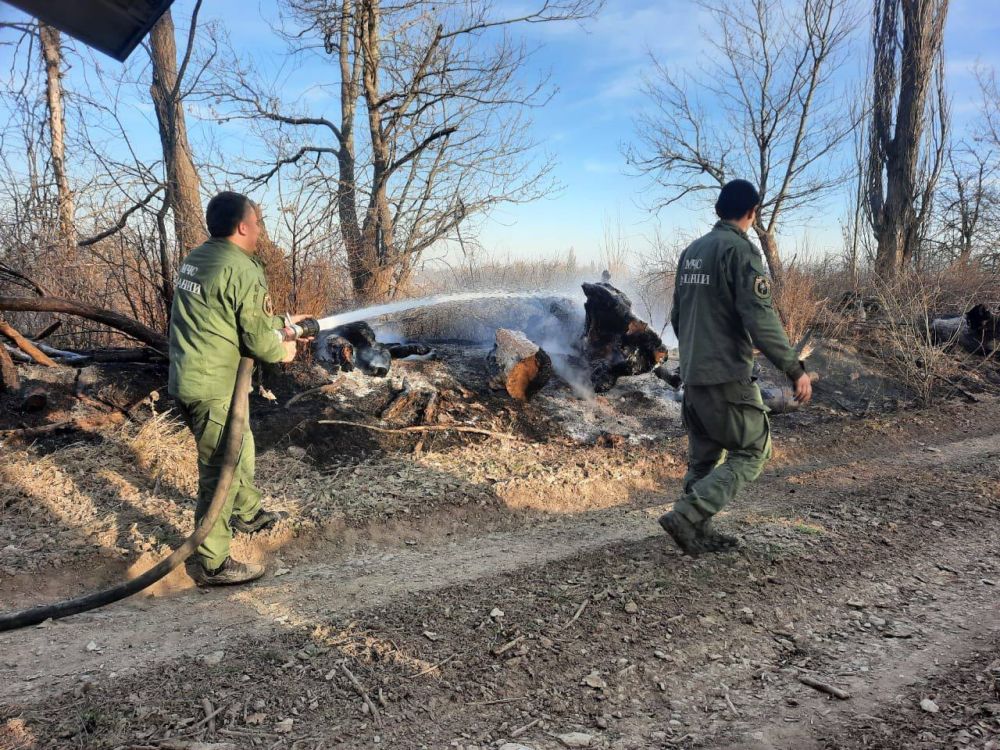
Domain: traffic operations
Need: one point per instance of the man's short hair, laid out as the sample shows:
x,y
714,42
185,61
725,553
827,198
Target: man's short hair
x,y
225,212
736,198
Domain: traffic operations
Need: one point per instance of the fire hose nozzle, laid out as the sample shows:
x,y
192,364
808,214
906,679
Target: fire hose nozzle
x,y
306,328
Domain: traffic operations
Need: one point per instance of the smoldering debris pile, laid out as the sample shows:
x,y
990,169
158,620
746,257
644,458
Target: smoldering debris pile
x,y
478,362
977,331
530,339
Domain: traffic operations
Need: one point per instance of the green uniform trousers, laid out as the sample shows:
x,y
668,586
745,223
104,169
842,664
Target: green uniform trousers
x,y
207,421
729,441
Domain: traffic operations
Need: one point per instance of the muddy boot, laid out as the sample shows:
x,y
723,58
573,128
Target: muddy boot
x,y
714,540
230,573
265,519
683,532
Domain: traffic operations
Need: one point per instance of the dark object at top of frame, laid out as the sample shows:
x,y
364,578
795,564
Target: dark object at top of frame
x,y
115,27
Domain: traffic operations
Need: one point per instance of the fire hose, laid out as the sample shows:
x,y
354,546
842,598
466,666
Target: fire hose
x,y
238,411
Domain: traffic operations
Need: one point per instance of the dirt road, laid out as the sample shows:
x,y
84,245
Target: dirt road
x,y
870,568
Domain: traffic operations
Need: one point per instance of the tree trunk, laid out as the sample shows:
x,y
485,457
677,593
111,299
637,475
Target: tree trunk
x,y
769,246
377,233
347,207
52,57
896,141
183,185
8,372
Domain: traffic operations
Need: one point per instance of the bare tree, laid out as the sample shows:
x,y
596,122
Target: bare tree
x,y
969,199
444,133
183,188
774,118
52,58
906,37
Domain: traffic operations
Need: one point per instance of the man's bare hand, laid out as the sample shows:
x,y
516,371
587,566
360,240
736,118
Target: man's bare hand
x,y
289,347
803,389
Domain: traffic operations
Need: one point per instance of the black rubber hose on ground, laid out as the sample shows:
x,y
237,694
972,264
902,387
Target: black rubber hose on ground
x,y
238,411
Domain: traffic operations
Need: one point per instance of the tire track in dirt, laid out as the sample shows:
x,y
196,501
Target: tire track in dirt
x,y
49,660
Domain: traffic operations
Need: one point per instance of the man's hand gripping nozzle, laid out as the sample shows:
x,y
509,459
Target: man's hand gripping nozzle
x,y
306,328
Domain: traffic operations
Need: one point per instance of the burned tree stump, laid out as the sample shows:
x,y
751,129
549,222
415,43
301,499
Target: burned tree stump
x,y
518,365
617,342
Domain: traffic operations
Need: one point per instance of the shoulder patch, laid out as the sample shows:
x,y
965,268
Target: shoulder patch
x,y
268,305
762,287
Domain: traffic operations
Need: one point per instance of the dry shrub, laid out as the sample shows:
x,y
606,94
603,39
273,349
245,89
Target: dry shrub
x,y
798,300
314,286
901,336
164,450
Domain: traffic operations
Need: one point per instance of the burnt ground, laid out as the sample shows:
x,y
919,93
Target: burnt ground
x,y
490,592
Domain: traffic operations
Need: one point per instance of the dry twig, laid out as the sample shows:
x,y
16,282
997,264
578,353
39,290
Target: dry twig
x,y
823,687
363,693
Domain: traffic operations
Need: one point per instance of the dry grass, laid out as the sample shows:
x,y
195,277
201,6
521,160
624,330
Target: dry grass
x,y
164,449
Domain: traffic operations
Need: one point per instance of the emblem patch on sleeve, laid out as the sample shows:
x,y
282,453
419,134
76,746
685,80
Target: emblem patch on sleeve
x,y
268,305
762,287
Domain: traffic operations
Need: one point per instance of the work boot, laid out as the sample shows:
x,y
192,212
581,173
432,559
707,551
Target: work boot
x,y
265,519
683,532
714,540
230,573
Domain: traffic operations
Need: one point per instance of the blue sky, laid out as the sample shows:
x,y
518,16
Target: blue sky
x,y
597,67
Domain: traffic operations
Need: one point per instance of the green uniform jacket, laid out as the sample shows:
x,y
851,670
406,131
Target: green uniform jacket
x,y
722,308
221,311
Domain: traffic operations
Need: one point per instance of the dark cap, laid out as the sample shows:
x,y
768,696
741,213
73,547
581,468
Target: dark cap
x,y
736,198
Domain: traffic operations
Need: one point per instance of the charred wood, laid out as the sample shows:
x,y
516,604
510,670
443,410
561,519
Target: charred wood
x,y
977,331
354,345
401,351
408,405
618,343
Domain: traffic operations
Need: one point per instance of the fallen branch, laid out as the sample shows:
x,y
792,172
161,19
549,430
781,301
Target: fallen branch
x,y
47,332
24,345
823,687
119,322
68,357
423,428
